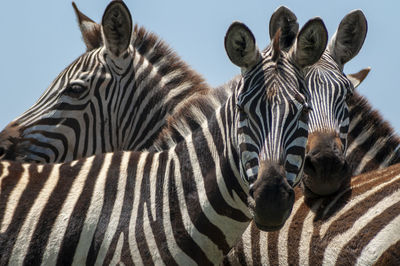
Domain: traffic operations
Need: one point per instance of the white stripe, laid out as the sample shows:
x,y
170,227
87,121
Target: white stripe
x,y
116,260
137,259
357,142
369,155
210,249
153,183
60,225
387,237
353,202
13,199
93,213
150,239
117,208
247,248
31,219
264,248
283,255
336,245
306,234
180,257
235,201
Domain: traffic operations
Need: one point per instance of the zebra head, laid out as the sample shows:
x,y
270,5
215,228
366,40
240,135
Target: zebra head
x,y
326,169
81,99
115,96
271,115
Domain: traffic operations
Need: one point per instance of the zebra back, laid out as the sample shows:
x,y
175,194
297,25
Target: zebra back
x,y
358,226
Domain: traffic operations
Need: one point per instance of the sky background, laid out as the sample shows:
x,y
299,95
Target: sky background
x,y
40,38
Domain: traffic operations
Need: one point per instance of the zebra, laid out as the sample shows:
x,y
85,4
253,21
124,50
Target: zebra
x,y
183,205
372,144
326,170
105,100
358,226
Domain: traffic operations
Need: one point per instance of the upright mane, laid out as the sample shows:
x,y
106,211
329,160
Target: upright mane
x,y
195,112
187,83
367,129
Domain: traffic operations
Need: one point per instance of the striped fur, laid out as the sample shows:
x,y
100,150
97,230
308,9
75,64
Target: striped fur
x,y
372,145
125,103
359,226
180,206
372,142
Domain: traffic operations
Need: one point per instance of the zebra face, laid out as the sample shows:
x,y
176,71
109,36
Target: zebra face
x,y
84,111
272,111
79,103
326,169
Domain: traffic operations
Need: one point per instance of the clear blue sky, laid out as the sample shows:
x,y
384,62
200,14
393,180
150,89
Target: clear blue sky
x,y
40,38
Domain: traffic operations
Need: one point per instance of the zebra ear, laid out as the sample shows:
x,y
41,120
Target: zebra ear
x,y
283,18
117,27
240,45
310,43
358,77
91,31
349,37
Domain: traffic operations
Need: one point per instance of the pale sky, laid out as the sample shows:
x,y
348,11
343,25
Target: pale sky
x,y
40,38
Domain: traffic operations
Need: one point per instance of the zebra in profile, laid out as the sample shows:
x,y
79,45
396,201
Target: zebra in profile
x,y
105,100
313,232
184,205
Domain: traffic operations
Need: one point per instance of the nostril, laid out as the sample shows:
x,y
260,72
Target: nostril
x,y
313,152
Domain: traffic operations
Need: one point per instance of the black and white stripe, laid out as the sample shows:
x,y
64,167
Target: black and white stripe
x,y
353,226
358,226
184,205
103,102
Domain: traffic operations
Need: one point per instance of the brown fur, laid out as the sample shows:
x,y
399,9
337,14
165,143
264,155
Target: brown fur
x,y
328,207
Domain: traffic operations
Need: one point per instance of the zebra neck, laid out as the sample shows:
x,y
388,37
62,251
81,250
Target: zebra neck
x,y
162,83
197,111
211,184
372,143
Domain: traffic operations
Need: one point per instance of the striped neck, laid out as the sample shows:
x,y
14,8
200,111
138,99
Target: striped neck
x,y
372,143
183,205
126,104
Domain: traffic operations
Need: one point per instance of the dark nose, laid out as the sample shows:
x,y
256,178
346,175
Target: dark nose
x,y
273,197
323,162
325,166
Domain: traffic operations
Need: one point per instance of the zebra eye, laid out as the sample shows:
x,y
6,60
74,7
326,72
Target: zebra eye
x,y
74,90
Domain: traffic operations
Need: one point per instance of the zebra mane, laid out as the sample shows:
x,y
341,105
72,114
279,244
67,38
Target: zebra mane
x,y
193,114
368,131
161,56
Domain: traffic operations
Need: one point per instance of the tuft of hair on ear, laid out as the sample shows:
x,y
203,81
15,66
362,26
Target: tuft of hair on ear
x,y
91,31
276,50
358,77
